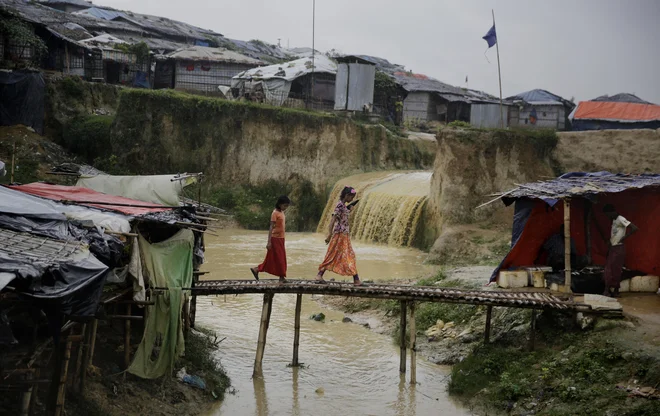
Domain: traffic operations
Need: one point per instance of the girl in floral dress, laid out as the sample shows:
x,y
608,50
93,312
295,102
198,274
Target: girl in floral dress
x,y
340,257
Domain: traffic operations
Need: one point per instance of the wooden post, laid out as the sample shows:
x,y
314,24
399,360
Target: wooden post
x,y
402,341
193,301
567,245
61,386
532,331
92,343
186,316
489,314
79,359
87,341
35,391
587,229
263,330
13,163
27,396
127,338
296,333
413,345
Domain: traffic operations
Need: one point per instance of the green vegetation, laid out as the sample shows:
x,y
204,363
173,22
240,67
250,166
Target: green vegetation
x,y
89,137
544,141
570,373
20,33
199,359
252,205
140,50
72,87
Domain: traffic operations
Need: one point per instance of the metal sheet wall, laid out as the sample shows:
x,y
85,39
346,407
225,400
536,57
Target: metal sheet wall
x,y
206,76
354,86
488,115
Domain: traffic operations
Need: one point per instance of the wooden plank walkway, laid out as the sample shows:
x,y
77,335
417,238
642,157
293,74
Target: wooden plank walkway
x,y
407,295
528,300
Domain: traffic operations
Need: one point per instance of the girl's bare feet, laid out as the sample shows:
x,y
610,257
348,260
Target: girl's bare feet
x,y
319,279
255,273
282,280
357,282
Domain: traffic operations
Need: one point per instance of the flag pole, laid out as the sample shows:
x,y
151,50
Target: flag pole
x,y
499,73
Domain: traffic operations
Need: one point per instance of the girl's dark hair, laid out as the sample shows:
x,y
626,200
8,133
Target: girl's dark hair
x,y
346,191
281,201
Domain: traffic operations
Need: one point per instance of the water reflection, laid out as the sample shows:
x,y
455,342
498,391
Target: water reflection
x,y
357,368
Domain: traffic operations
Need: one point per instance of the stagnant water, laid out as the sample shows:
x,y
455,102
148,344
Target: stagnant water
x,y
356,368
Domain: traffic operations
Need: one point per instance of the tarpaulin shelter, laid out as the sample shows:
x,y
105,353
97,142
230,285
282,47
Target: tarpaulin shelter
x,y
540,210
22,98
602,115
158,189
90,198
277,80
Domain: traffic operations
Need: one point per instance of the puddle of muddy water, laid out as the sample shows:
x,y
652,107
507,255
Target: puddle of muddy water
x,y
357,369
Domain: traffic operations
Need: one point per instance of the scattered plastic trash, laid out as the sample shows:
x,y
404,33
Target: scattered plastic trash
x,y
194,381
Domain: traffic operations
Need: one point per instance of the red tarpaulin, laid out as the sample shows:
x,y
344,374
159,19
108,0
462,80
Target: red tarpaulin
x,y
596,110
88,197
640,206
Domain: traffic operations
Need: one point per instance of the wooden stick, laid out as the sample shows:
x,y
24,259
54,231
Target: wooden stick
x,y
587,229
27,396
532,331
186,316
567,245
402,340
489,314
199,217
125,317
115,204
296,331
193,302
263,329
119,233
413,345
35,391
127,338
496,199
79,359
89,353
61,389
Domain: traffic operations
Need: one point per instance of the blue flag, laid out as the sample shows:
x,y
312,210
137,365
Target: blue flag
x,y
491,37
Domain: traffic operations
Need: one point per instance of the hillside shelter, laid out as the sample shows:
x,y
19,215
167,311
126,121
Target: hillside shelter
x,y
576,200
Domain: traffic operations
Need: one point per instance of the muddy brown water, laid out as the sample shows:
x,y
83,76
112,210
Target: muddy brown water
x,y
357,369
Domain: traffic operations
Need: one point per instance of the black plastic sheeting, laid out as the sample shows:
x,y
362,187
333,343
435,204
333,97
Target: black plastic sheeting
x,y
22,97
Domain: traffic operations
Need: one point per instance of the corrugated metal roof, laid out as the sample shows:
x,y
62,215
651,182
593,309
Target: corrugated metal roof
x,y
582,184
100,13
203,53
422,83
541,97
291,70
623,97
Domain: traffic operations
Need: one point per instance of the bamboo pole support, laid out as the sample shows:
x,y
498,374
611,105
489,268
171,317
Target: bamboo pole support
x,y
413,345
263,330
186,316
587,230
61,388
489,315
532,331
296,333
27,396
402,340
193,301
127,338
79,359
567,245
35,391
91,331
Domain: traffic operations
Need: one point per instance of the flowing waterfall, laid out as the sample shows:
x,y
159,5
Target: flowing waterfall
x,y
391,206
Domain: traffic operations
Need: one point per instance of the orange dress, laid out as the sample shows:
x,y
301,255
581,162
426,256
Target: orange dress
x,y
275,262
340,257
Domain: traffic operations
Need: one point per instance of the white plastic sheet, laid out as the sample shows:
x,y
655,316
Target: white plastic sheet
x,y
158,189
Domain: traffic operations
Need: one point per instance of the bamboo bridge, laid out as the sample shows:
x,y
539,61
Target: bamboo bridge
x,y
407,295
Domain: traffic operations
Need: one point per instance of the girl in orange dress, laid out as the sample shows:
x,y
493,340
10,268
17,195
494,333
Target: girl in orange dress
x,y
275,262
340,257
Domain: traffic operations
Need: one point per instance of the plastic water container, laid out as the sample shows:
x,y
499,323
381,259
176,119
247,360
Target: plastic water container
x,y
645,284
512,279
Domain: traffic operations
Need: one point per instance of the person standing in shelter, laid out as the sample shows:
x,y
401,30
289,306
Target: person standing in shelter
x,y
616,256
275,262
340,257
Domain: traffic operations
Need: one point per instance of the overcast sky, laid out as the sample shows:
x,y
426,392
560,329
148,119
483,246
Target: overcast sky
x,y
574,48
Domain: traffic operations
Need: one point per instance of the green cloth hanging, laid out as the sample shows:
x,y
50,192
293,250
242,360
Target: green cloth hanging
x,y
166,264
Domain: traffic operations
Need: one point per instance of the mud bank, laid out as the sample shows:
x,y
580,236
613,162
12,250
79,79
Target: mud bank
x,y
243,143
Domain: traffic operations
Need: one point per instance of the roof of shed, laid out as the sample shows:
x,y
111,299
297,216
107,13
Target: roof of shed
x,y
582,184
203,53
